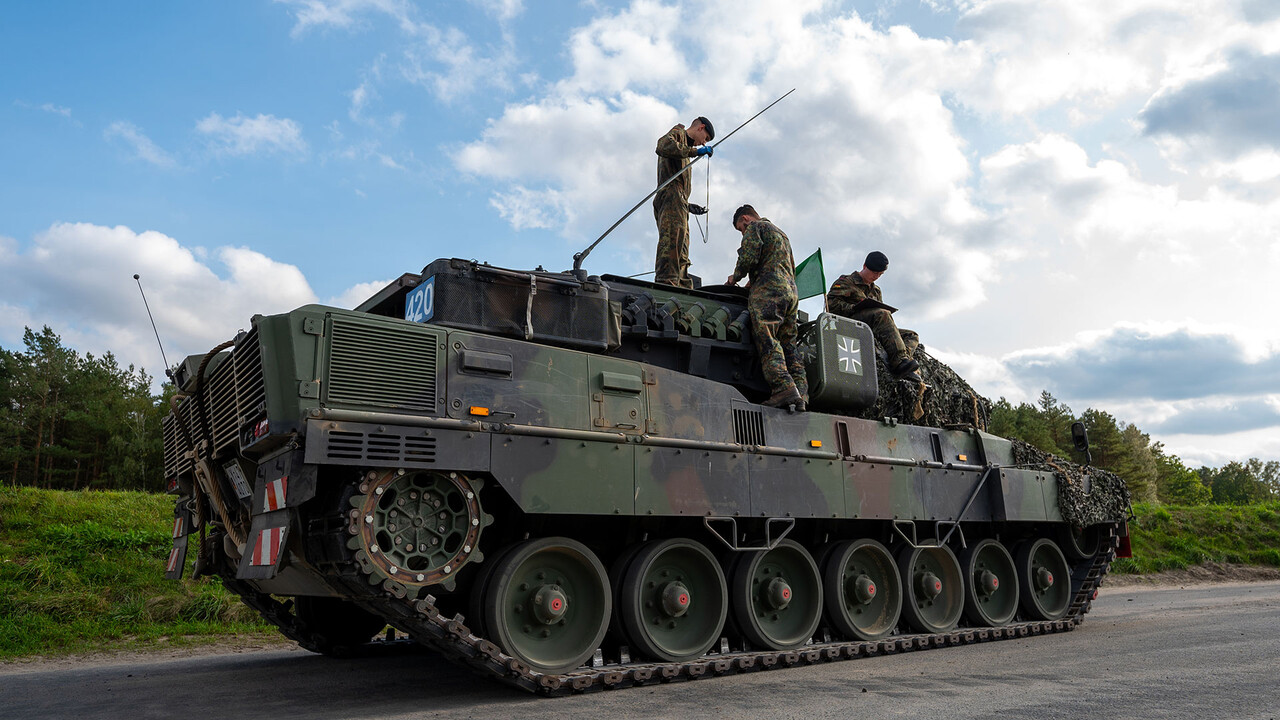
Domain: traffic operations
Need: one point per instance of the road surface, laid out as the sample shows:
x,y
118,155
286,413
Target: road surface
x,y
1202,651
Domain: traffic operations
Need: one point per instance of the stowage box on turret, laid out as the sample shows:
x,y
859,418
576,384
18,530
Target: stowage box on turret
x,y
568,483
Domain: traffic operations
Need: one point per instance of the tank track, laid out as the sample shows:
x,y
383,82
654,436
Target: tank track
x,y
450,637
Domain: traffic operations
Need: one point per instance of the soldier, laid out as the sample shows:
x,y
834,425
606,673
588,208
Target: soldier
x,y
849,290
671,206
765,255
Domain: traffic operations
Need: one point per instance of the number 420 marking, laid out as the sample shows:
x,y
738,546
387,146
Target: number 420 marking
x,y
420,305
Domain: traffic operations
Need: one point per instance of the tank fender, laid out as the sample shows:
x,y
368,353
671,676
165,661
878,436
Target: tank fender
x,y
282,483
267,548
181,530
283,480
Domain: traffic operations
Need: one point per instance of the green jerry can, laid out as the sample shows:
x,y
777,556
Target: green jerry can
x,y
840,362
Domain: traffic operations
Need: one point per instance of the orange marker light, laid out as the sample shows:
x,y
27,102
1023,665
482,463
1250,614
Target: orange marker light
x,y
477,410
815,443
962,458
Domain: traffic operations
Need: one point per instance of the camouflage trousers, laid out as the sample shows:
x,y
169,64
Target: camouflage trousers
x,y
897,342
671,266
773,327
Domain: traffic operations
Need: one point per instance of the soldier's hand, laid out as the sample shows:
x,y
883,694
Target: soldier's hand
x,y
697,209
706,150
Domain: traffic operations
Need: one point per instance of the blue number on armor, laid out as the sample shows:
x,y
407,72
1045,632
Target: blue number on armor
x,y
419,305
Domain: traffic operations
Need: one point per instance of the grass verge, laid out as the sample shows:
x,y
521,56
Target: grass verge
x,y
84,571
1173,537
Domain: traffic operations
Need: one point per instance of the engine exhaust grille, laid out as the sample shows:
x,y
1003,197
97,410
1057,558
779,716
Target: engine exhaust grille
x,y
376,365
748,427
352,447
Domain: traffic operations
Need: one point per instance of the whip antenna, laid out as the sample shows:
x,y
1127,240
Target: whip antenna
x,y
579,257
147,305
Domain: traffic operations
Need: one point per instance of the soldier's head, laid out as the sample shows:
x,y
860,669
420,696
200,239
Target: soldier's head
x,y
701,132
744,216
874,266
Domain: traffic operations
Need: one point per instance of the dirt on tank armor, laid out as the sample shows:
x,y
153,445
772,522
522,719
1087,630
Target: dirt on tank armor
x,y
568,483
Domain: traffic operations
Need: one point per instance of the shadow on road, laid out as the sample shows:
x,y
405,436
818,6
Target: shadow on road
x,y
275,684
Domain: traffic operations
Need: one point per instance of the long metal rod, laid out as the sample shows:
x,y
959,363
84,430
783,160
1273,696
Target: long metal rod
x,y
147,305
579,257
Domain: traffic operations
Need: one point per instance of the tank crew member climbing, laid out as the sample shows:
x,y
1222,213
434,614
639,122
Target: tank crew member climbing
x,y
848,297
772,301
671,206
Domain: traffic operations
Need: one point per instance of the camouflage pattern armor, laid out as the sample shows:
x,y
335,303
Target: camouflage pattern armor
x,y
466,454
765,255
847,291
671,209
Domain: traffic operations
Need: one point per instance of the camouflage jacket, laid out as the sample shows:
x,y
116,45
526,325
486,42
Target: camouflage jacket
x,y
674,152
849,290
765,255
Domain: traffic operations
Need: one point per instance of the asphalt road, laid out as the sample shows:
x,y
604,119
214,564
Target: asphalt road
x,y
1206,651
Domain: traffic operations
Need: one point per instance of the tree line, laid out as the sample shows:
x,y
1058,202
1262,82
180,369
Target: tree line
x,y
74,422
1152,474
71,421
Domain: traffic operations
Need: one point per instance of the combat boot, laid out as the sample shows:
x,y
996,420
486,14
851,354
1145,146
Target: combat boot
x,y
785,397
905,366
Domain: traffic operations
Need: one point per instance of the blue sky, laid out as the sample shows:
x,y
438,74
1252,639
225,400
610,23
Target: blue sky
x,y
1076,196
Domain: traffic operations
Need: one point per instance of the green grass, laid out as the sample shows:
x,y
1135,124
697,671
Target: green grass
x,y
84,571
1172,537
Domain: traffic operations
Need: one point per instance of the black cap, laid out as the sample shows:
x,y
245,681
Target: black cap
x,y
876,261
711,131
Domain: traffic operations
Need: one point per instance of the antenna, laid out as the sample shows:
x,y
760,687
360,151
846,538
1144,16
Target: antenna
x,y
579,257
168,373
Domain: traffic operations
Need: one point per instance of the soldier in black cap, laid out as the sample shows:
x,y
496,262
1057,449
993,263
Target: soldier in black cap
x,y
851,289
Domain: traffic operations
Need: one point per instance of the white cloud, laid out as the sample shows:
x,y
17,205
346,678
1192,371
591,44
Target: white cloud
x,y
78,279
345,14
356,294
863,156
142,145
242,135
442,59
503,10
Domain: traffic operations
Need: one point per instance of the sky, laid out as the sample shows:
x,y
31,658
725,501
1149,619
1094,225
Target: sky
x,y
1076,196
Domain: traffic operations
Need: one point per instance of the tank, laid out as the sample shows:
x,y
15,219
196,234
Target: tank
x,y
567,483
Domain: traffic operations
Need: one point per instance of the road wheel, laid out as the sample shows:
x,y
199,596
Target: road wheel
x,y
933,587
862,589
548,603
991,590
1045,579
672,600
777,596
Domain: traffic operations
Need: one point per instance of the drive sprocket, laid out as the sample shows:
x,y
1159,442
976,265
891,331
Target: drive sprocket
x,y
415,528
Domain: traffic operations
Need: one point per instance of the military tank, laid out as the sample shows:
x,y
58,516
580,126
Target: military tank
x,y
567,483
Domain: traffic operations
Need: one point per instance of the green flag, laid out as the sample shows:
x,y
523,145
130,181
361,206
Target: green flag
x,y
809,278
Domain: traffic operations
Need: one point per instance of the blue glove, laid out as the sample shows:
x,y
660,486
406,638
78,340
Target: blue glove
x,y
706,150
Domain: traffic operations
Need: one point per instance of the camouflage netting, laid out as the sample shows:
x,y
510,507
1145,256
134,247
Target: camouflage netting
x,y
1088,495
947,399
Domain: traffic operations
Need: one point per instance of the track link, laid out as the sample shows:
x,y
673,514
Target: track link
x,y
451,637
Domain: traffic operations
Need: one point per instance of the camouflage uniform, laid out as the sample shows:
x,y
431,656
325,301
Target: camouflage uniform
x,y
671,209
772,301
849,290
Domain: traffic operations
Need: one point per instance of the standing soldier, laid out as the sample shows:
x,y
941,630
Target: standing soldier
x,y
671,206
851,289
772,301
